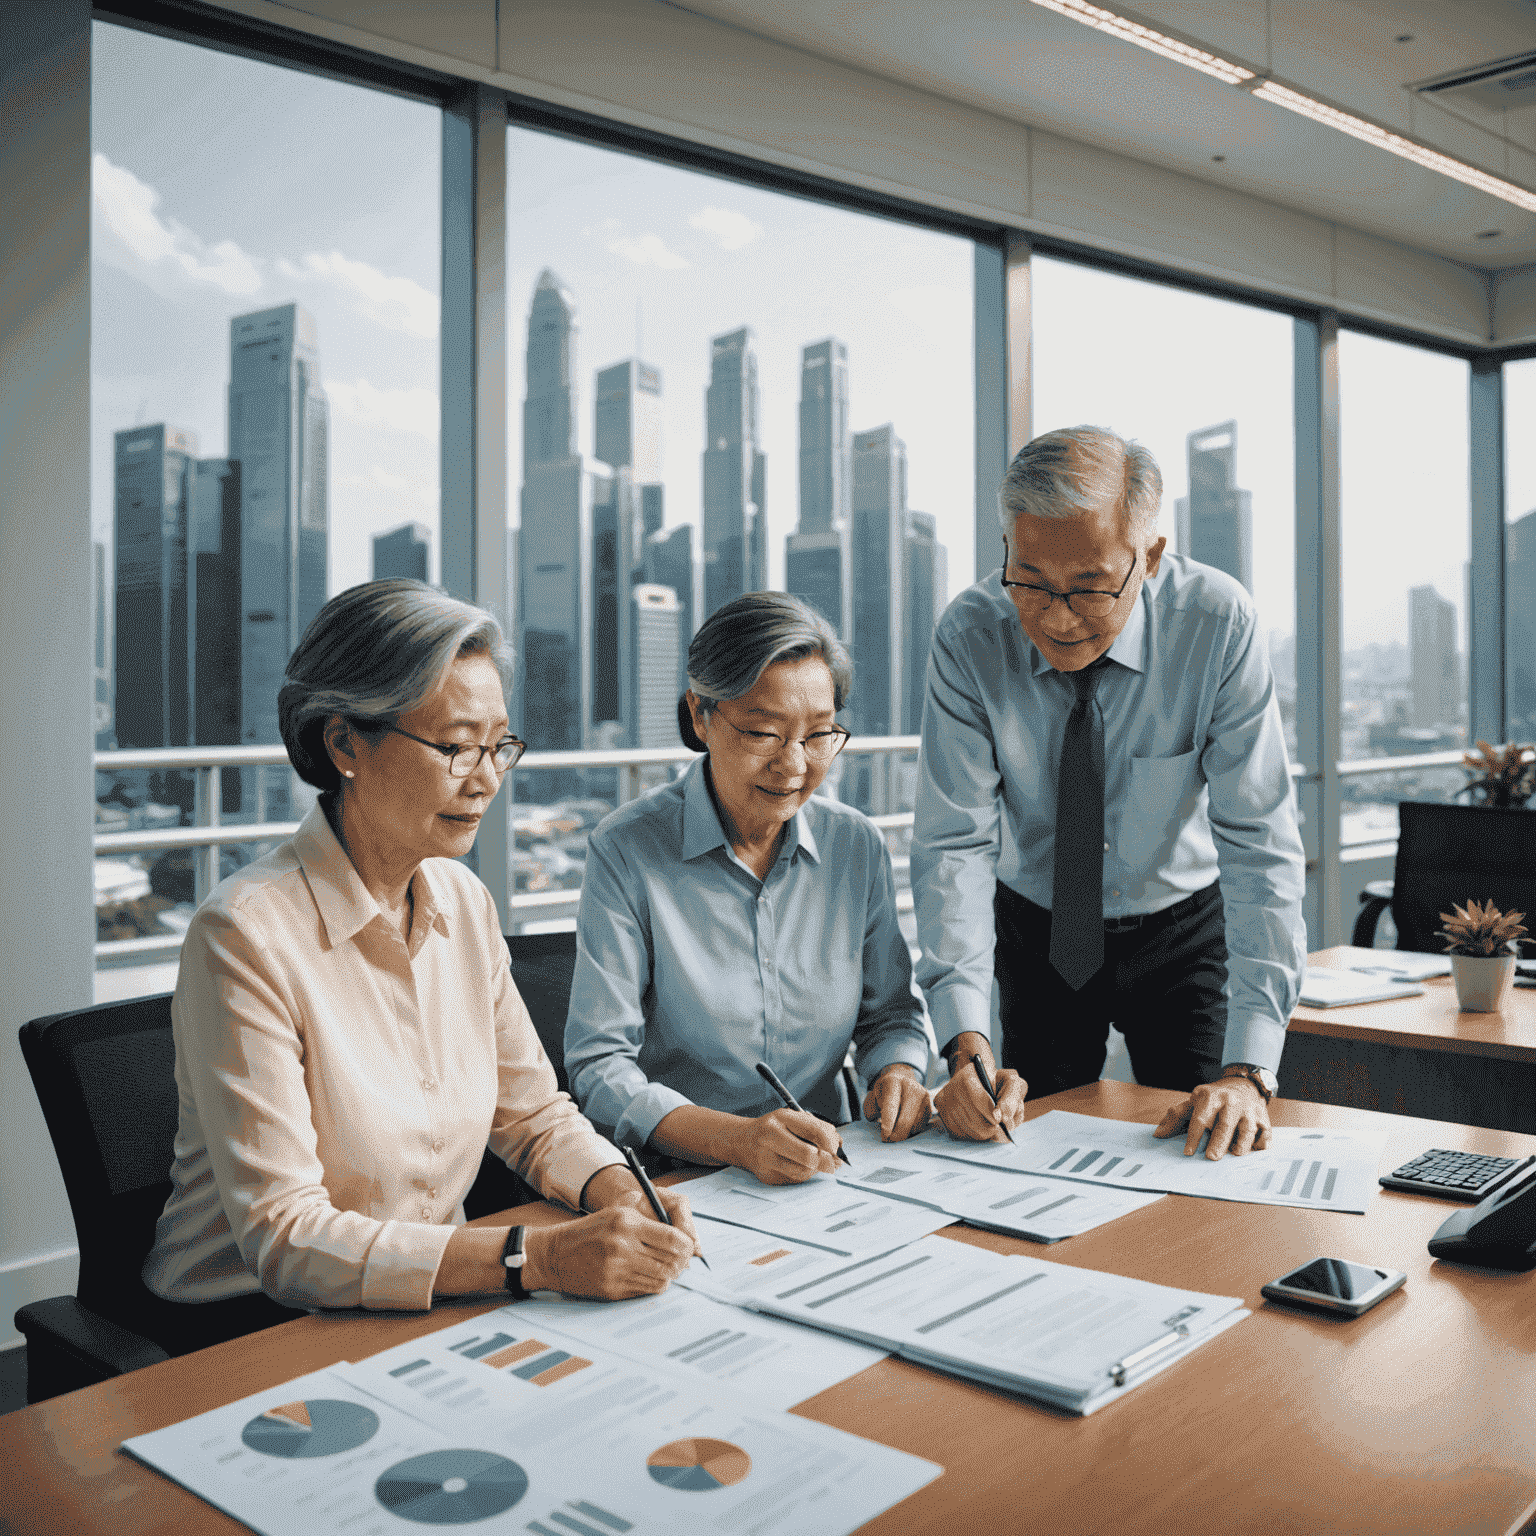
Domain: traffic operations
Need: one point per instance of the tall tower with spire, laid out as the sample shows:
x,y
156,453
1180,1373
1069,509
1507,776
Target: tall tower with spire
x,y
735,517
554,554
817,567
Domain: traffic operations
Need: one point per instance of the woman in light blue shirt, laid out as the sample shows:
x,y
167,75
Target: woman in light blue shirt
x,y
730,918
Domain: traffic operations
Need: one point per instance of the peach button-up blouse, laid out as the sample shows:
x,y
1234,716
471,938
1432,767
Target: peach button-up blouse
x,y
338,1085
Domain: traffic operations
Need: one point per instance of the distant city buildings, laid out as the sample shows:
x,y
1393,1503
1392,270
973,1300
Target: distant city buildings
x,y
1434,662
404,551
926,586
735,474
879,545
817,556
1520,604
1214,523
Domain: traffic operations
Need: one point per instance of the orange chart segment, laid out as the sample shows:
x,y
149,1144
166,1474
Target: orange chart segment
x,y
295,1413
698,1465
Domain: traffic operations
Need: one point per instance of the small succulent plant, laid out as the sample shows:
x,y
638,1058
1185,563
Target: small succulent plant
x,y
1481,930
1501,776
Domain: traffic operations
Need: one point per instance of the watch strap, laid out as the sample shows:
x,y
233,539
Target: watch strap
x,y
1264,1081
512,1255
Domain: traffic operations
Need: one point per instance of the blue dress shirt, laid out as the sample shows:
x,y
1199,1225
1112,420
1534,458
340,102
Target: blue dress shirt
x,y
690,970
1197,787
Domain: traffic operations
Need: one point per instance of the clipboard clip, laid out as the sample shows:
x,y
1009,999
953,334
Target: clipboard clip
x,y
1117,1372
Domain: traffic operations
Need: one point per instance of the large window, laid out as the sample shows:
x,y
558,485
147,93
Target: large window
x,y
1405,506
264,384
1206,384
715,389
1520,591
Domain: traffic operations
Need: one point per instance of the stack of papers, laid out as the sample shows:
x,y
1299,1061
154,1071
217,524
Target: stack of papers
x,y
1396,964
1313,1169
1074,1338
1326,988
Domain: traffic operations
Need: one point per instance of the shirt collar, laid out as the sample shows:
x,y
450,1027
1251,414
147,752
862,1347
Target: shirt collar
x,y
343,901
1130,645
702,831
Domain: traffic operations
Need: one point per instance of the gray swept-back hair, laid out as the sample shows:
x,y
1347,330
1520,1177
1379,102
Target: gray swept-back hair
x,y
374,653
1079,469
739,641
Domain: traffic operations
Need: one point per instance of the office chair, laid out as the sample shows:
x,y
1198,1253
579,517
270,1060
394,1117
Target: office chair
x,y
1449,854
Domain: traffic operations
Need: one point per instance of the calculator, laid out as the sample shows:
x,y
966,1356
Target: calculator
x,y
1451,1175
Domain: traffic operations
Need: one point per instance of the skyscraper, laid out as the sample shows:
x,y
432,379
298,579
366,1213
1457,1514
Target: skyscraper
x,y
555,540
278,430
101,715
215,608
1520,605
669,562
1214,523
1433,660
617,535
628,424
652,661
403,551
817,566
152,495
735,520
927,590
879,586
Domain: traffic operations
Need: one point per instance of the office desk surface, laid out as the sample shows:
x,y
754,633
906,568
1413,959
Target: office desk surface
x,y
1432,1022
1414,1418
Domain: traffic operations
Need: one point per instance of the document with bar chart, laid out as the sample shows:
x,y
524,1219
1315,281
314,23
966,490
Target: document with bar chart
x,y
1075,1338
1322,1170
644,1447
744,1262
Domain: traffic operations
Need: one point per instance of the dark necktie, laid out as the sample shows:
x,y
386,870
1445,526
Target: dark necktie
x,y
1077,884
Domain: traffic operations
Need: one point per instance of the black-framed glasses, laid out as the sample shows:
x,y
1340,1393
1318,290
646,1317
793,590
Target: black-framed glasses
x,y
1087,605
464,758
819,746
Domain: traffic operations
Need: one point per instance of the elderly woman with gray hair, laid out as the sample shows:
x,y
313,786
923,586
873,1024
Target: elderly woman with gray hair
x,y
348,1035
733,919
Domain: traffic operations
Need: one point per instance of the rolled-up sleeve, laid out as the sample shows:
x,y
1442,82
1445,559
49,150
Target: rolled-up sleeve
x,y
240,1055
605,1027
1258,849
954,846
890,1023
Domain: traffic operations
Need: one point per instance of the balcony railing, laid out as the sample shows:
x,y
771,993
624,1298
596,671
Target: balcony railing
x,y
209,834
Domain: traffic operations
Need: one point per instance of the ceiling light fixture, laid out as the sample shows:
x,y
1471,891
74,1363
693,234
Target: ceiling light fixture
x,y
1271,90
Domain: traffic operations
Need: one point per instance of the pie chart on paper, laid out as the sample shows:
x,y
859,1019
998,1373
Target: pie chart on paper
x,y
322,1426
697,1466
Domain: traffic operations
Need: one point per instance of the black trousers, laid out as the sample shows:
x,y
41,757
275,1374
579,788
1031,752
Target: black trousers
x,y
1162,985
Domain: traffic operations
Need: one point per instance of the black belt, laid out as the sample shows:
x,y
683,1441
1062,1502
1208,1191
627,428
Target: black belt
x,y
1149,922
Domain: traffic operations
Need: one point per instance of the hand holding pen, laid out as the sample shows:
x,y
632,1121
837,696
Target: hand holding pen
x,y
986,1082
663,1215
812,1130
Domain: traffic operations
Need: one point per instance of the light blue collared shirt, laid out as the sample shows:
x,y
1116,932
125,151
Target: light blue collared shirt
x,y
690,970
1197,787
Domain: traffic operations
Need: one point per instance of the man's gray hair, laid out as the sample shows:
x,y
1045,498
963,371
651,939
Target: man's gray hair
x,y
740,641
1079,469
374,653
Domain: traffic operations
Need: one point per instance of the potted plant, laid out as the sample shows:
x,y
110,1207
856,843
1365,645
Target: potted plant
x,y
1481,943
1503,777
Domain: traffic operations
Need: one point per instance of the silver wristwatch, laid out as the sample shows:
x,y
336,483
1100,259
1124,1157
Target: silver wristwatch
x,y
1261,1077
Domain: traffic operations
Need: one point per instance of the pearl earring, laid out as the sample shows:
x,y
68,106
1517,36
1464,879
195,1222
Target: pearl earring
x,y
347,773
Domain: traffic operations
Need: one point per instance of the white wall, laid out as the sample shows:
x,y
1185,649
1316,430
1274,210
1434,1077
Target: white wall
x,y
1514,306
657,66
47,925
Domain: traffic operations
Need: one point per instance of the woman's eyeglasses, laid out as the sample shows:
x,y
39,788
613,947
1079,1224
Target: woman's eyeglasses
x,y
464,759
819,746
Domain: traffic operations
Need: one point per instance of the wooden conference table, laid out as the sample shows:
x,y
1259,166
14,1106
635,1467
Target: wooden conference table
x,y
1417,1056
1414,1418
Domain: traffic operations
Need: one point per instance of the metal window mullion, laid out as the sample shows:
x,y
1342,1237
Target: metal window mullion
x,y
1486,602
473,391
992,426
1318,625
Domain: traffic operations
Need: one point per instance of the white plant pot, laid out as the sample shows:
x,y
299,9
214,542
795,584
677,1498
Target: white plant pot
x,y
1482,981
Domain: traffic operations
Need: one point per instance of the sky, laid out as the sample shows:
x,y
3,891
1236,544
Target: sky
x,y
223,186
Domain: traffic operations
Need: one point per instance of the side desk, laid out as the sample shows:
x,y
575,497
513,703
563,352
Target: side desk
x,y
1417,1056
1415,1418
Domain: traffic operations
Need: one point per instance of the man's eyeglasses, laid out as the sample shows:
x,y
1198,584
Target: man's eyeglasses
x,y
1087,605
819,746
464,759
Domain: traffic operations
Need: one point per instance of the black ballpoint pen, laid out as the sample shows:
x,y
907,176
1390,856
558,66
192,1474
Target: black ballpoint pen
x,y
986,1082
644,1180
771,1077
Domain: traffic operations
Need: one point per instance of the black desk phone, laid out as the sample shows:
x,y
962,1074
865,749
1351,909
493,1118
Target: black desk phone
x,y
1499,1232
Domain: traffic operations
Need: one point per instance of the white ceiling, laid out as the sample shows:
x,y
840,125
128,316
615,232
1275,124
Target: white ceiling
x,y
1023,62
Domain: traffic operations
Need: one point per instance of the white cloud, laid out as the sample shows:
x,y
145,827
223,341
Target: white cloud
x,y
413,411
730,230
643,250
398,303
128,208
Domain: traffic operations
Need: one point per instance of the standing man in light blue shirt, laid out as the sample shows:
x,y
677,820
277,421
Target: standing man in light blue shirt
x,y
1104,812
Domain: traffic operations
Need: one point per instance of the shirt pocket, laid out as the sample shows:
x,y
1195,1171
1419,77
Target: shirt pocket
x,y
1164,794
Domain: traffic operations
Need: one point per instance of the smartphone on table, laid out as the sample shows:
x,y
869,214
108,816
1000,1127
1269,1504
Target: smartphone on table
x,y
1335,1285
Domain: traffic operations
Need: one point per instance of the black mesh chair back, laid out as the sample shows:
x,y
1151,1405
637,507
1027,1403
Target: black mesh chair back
x,y
1452,854
543,965
105,1078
